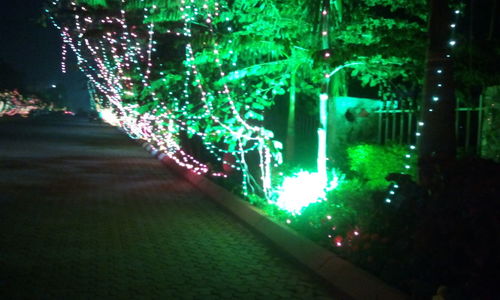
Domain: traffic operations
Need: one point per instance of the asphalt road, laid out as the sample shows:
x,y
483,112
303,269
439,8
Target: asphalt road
x,y
86,213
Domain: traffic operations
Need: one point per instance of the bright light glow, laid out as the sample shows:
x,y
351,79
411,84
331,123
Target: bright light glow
x,y
109,116
302,189
12,103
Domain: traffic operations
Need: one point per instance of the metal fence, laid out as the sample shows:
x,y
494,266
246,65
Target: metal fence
x,y
396,122
399,126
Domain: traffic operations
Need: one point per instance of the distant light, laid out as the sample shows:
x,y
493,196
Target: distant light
x,y
54,86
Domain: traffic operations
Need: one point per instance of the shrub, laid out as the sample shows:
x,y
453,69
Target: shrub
x,y
372,163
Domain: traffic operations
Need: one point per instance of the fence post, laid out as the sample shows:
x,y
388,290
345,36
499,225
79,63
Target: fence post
x,y
379,135
393,123
386,135
401,124
479,124
410,126
467,130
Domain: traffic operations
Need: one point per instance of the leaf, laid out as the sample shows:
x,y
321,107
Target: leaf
x,y
254,115
259,106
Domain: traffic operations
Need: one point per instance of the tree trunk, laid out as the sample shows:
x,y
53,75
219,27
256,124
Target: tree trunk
x,y
321,160
437,144
290,131
323,99
336,145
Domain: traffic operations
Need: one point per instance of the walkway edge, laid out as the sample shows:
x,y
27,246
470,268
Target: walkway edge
x,y
348,281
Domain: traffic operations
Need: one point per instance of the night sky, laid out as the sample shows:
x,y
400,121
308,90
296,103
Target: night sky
x,y
35,51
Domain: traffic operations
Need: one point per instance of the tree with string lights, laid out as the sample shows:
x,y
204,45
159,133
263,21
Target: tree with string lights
x,y
437,143
146,93
236,58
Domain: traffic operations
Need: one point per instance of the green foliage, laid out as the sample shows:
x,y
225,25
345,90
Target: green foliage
x,y
348,208
165,11
260,45
383,36
372,163
94,3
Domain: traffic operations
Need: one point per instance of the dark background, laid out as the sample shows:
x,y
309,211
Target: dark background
x,y
30,56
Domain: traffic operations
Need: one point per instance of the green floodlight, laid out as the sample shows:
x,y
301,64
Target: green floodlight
x,y
303,188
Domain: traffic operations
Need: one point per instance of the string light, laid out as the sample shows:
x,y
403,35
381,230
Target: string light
x,y
106,61
435,99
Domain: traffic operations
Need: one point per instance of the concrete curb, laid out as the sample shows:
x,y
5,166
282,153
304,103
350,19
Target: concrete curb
x,y
347,280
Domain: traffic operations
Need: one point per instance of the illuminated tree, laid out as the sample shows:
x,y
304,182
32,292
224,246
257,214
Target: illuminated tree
x,y
272,43
362,37
208,70
163,99
12,103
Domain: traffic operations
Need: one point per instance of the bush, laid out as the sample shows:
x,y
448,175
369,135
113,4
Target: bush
x,y
372,163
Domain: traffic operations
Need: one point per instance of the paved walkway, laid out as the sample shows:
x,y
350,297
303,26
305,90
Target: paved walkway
x,y
85,213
